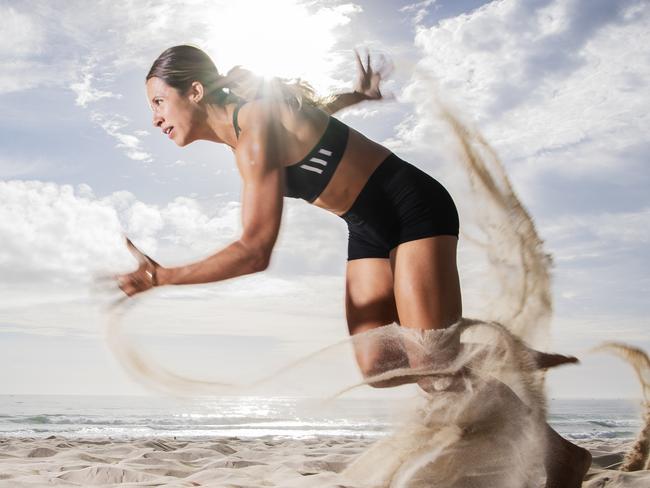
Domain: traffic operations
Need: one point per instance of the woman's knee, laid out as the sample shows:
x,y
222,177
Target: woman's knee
x,y
369,312
377,357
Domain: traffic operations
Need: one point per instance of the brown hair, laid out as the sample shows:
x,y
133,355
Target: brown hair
x,y
180,66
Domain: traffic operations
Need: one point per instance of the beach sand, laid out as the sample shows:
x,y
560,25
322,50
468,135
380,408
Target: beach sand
x,y
224,462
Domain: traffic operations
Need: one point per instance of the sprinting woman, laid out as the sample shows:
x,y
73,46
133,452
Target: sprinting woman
x,y
403,224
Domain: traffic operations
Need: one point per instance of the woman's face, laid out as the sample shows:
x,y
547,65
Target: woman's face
x,y
174,113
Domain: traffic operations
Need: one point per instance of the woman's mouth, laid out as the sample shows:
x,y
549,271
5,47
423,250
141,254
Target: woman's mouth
x,y
169,131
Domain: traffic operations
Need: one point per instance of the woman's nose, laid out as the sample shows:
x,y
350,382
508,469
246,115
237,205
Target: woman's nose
x,y
157,120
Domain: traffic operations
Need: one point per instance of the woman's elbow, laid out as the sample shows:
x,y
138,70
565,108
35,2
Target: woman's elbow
x,y
261,261
258,256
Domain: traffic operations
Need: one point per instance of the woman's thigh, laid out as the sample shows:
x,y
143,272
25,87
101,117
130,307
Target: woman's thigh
x,y
370,303
426,282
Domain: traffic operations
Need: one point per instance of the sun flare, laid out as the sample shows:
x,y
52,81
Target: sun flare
x,y
283,38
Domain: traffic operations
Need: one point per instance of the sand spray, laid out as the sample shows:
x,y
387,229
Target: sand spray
x,y
638,457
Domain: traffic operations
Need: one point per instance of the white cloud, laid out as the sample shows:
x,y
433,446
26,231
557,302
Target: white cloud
x,y
311,242
57,239
542,81
131,144
49,233
557,92
363,112
86,93
419,9
147,27
22,34
62,233
23,63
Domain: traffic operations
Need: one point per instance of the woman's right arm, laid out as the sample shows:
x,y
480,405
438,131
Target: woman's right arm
x,y
259,162
258,159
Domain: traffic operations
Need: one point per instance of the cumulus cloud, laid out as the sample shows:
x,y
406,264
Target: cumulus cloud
x,y
60,232
544,77
48,232
57,238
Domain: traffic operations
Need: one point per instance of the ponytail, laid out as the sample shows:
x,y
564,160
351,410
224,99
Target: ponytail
x,y
180,66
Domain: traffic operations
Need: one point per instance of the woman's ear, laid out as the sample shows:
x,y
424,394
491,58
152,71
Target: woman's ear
x,y
196,91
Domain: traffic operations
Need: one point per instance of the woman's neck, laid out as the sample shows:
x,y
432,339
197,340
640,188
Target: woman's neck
x,y
218,124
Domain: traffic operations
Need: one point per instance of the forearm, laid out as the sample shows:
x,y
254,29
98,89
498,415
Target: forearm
x,y
342,100
237,259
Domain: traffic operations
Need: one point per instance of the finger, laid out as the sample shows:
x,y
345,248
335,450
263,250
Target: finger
x,y
128,282
137,254
124,284
359,62
151,261
141,257
104,283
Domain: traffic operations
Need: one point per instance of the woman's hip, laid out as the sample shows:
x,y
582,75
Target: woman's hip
x,y
399,203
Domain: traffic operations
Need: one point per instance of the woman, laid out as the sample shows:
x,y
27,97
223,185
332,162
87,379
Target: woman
x,y
403,225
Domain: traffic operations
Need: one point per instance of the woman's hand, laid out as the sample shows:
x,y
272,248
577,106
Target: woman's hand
x,y
143,278
366,85
368,79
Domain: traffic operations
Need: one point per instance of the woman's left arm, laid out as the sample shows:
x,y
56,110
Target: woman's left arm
x,y
366,85
258,159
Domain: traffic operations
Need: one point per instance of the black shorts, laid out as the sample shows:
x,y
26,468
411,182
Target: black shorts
x,y
399,203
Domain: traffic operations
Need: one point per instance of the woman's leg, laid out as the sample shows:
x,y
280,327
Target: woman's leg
x,y
427,296
427,287
369,304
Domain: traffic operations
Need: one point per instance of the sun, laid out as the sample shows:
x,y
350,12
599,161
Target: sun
x,y
281,38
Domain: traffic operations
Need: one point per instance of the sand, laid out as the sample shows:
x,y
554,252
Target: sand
x,y
225,462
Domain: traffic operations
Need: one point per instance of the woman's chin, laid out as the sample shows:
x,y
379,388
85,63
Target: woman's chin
x,y
181,141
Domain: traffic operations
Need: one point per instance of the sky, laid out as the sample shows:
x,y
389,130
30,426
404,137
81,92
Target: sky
x,y
558,87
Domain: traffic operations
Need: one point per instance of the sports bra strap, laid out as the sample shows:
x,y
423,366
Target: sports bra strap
x,y
235,114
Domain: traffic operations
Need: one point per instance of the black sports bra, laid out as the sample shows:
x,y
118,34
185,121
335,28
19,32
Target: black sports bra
x,y
307,178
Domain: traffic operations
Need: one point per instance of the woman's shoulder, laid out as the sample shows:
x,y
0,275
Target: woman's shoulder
x,y
292,117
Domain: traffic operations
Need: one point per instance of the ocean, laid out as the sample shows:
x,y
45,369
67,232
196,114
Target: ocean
x,y
121,417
